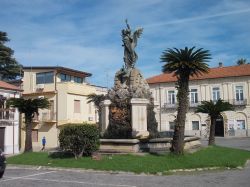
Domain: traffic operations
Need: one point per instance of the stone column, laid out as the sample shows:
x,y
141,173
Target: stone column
x,y
139,117
104,115
225,92
248,93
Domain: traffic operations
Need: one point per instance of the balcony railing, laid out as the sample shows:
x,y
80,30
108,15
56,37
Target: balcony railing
x,y
45,117
48,116
7,114
169,105
238,102
194,105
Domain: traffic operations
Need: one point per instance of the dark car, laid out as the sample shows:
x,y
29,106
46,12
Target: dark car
x,y
2,163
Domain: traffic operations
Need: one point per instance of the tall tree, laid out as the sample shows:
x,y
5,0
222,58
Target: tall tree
x,y
241,61
9,67
29,107
183,63
214,110
96,99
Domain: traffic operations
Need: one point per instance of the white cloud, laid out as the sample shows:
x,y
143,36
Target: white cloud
x,y
86,34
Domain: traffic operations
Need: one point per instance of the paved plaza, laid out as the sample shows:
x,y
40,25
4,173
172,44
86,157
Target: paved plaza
x,y
44,178
238,143
23,177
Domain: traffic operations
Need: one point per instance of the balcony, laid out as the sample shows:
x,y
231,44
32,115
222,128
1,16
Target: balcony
x,y
7,116
169,105
194,105
238,102
48,117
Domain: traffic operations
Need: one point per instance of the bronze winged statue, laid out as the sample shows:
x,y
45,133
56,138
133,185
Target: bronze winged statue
x,y
129,43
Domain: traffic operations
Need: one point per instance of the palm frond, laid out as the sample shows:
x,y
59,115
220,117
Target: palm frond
x,y
96,99
187,60
214,108
28,105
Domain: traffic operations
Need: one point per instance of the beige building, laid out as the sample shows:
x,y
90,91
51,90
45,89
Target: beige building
x,y
231,84
67,92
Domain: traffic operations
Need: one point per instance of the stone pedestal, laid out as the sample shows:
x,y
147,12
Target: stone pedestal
x,y
139,117
105,115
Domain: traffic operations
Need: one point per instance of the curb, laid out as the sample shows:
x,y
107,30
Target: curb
x,y
32,167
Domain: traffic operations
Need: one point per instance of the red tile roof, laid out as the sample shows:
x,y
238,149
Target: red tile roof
x,y
214,73
7,86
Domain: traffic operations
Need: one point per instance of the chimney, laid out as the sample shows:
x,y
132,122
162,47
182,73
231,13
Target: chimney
x,y
220,64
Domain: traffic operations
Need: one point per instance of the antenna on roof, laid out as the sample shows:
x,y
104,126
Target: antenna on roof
x,y
107,78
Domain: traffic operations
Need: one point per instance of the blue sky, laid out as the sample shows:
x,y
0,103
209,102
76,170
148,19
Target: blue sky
x,y
86,34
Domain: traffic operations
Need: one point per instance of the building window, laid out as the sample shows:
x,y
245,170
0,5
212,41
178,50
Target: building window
x,y
45,78
195,125
78,80
34,135
193,96
77,106
239,93
216,93
171,125
241,124
65,77
171,97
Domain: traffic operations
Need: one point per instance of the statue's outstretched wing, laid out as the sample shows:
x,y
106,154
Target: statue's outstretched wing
x,y
137,35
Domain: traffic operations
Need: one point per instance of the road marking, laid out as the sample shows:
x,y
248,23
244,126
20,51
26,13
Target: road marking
x,y
77,182
15,178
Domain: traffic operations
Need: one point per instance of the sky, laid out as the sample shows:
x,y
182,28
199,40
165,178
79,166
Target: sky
x,y
86,34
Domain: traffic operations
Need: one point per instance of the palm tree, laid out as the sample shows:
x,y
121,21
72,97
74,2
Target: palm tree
x,y
96,99
241,61
213,109
183,63
29,107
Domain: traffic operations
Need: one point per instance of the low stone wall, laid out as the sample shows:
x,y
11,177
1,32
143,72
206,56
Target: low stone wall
x,y
119,145
152,145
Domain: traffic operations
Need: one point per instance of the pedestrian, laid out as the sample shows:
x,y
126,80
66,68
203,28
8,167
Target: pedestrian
x,y
43,143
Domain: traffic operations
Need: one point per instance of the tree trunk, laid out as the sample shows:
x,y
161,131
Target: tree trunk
x,y
99,120
28,139
182,96
211,140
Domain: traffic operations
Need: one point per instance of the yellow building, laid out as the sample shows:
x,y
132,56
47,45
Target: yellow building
x,y
231,84
67,92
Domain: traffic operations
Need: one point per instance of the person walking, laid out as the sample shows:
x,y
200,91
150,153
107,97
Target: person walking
x,y
43,143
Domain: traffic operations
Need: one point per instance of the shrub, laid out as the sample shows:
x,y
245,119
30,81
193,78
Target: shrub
x,y
80,139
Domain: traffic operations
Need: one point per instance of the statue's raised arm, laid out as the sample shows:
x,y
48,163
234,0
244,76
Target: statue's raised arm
x,y
129,44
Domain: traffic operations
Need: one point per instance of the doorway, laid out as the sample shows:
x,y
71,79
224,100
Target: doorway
x,y
219,127
2,135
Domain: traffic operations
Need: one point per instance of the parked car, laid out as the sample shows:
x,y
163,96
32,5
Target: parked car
x,y
2,163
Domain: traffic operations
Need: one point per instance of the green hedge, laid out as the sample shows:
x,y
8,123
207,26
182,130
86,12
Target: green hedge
x,y
80,139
